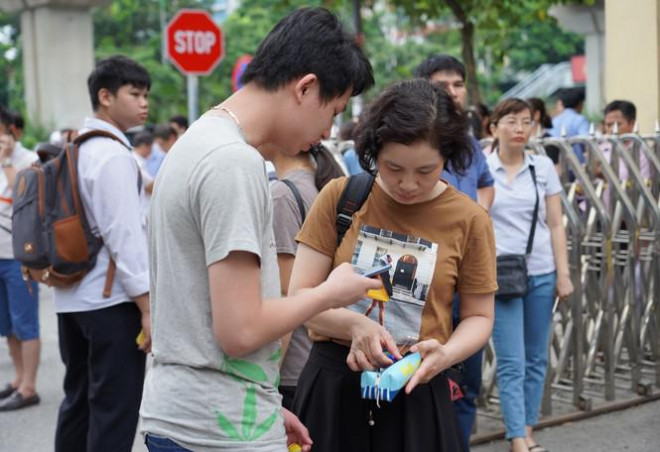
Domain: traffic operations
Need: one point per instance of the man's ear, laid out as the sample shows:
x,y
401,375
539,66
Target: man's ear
x,y
105,97
305,85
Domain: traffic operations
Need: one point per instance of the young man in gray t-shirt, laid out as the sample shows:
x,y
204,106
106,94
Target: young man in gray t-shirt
x,y
216,315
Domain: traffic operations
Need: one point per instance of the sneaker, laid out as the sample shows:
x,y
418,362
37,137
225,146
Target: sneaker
x,y
16,401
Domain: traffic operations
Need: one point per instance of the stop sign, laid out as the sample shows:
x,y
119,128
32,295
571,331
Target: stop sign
x,y
195,44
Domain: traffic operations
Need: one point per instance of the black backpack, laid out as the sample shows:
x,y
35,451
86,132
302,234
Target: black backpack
x,y
351,200
51,235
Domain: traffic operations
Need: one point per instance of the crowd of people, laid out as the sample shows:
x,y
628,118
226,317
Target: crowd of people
x,y
249,295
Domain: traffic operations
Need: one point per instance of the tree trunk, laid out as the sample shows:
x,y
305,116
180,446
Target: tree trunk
x,y
467,36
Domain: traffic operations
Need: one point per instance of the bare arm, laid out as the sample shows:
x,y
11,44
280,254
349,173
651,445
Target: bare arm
x,y
285,263
7,144
366,336
485,196
558,237
477,313
243,322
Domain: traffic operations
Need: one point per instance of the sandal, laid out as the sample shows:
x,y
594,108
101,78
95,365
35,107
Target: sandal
x,y
537,448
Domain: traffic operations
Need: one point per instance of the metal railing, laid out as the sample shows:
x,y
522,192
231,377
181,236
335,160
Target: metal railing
x,y
605,339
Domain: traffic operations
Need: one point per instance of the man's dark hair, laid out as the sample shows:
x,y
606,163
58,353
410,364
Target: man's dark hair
x,y
6,118
19,122
113,73
411,111
440,63
164,131
571,97
142,138
627,109
310,41
180,120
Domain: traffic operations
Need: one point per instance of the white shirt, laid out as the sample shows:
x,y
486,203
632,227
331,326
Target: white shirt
x,y
21,158
108,177
513,209
145,198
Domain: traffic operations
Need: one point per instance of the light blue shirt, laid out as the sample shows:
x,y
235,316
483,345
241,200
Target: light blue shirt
x,y
575,124
352,162
476,175
155,159
513,209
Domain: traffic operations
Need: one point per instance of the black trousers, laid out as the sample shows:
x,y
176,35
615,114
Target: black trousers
x,y
103,379
328,401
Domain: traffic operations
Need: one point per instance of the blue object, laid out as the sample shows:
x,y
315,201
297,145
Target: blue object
x,y
386,384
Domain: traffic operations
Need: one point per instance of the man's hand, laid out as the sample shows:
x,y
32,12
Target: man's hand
x,y
296,432
145,346
344,286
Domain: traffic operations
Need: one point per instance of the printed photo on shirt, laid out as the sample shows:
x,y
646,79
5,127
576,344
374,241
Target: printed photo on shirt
x,y
407,282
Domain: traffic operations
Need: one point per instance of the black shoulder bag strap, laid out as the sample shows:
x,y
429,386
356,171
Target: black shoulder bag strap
x,y
535,217
298,196
354,195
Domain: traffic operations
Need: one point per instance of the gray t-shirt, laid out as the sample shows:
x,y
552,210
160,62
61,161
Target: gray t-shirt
x,y
211,198
287,221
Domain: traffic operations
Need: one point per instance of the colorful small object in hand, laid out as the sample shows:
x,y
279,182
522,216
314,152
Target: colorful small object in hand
x,y
386,384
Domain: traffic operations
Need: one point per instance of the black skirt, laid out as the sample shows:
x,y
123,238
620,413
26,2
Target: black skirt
x,y
329,403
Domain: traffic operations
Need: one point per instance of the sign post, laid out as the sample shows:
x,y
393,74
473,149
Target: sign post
x,y
195,45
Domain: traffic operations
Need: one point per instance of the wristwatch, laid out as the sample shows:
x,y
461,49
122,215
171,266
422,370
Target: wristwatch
x,y
7,163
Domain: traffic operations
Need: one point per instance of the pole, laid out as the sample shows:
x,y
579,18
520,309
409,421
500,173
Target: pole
x,y
192,97
357,103
163,41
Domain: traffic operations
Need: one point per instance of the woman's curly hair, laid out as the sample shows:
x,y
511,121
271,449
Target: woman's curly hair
x,y
409,112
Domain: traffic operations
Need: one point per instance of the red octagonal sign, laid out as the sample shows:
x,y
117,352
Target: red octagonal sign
x,y
195,44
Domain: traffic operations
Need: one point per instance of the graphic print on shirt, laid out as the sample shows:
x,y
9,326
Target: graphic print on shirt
x,y
413,264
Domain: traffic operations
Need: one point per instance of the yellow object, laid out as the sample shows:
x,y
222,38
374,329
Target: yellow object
x,y
295,447
140,338
378,294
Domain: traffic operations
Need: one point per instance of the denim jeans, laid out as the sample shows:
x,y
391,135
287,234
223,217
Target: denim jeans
x,y
160,444
465,409
521,334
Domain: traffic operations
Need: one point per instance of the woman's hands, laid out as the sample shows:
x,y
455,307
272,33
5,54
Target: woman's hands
x,y
564,286
435,359
367,344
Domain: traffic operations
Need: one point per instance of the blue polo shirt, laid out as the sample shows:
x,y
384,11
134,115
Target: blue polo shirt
x,y
513,209
575,124
476,176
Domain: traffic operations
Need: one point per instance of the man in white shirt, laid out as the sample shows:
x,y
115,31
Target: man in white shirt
x,y
97,332
19,302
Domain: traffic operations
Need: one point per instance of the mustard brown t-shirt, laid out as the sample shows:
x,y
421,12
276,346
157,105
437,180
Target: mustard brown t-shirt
x,y
435,248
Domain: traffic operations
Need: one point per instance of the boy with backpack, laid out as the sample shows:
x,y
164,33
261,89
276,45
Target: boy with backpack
x,y
217,315
100,317
19,303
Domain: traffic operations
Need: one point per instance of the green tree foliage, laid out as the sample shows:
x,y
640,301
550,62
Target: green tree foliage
x,y
484,23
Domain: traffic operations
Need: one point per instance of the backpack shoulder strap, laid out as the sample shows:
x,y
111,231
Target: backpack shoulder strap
x,y
298,196
97,133
351,200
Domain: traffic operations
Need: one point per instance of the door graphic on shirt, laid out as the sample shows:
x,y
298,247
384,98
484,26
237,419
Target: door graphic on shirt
x,y
413,262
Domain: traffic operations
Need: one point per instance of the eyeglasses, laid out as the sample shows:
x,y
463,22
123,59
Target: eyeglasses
x,y
512,124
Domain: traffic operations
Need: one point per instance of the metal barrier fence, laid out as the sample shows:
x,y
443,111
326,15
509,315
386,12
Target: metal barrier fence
x,y
605,340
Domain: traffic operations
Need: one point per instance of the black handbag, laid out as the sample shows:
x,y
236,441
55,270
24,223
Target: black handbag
x,y
512,268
